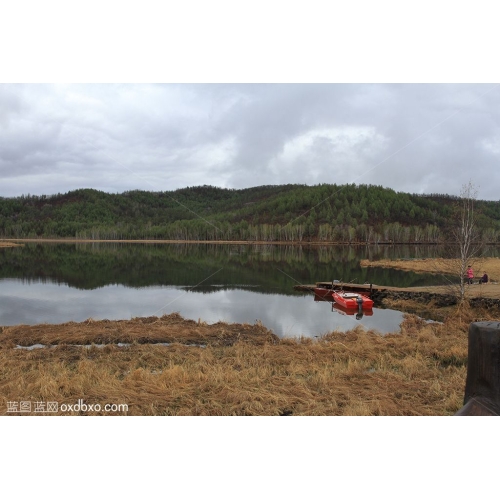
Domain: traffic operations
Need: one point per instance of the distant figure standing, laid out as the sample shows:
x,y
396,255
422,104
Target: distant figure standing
x,y
470,275
484,278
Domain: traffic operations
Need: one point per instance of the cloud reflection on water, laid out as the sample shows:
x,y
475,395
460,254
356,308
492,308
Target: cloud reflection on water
x,y
287,316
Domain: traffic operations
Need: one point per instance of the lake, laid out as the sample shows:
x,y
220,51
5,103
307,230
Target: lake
x,y
57,283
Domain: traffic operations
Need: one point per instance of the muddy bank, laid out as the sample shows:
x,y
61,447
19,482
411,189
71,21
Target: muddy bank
x,y
433,300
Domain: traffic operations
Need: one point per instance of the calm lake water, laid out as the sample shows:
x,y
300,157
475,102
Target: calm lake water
x,y
57,283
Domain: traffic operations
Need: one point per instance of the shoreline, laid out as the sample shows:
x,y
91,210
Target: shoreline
x,y
223,242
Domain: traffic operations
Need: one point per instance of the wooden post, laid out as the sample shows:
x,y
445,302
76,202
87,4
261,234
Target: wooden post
x,y
482,388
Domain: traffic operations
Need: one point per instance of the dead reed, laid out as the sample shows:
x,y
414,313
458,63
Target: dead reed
x,y
228,369
438,265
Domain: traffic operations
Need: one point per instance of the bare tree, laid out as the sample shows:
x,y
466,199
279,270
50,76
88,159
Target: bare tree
x,y
467,232
467,244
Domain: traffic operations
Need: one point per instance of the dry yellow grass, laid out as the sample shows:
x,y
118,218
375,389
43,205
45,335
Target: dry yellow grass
x,y
438,265
242,370
447,266
4,244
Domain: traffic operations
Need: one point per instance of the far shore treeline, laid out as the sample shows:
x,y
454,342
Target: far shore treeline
x,y
287,213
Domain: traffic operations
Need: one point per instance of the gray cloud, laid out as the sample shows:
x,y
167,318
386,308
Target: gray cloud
x,y
411,137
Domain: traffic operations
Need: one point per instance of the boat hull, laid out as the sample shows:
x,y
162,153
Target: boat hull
x,y
352,300
323,293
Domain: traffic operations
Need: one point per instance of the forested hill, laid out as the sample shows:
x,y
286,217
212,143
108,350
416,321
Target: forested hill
x,y
327,212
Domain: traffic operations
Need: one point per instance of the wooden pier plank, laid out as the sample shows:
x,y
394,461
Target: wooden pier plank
x,y
349,287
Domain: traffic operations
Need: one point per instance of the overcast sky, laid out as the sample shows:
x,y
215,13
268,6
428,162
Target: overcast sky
x,y
418,138
413,137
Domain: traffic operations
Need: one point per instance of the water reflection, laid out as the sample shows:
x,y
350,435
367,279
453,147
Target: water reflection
x,y
55,283
358,313
271,268
289,316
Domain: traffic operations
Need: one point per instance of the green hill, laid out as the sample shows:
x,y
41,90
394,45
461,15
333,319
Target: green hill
x,y
327,212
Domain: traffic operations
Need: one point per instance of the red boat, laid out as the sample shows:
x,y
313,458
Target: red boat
x,y
351,300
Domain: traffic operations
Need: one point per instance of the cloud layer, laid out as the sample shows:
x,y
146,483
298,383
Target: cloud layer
x,y
418,138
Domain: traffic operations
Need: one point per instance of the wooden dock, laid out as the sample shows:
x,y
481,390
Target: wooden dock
x,y
367,289
347,287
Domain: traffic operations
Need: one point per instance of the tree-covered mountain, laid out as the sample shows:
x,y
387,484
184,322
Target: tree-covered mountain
x,y
327,212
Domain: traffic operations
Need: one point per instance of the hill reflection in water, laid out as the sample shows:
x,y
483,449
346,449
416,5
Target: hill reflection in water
x,y
56,283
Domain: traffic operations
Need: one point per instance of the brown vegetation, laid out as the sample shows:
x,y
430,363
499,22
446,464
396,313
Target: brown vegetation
x,y
444,266
4,244
229,369
437,265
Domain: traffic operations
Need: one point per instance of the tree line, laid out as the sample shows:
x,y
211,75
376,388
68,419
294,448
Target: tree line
x,y
286,213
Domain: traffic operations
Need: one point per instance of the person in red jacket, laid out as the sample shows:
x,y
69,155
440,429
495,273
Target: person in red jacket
x,y
470,275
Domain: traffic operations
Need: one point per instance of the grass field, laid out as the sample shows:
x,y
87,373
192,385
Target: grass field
x,y
231,369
